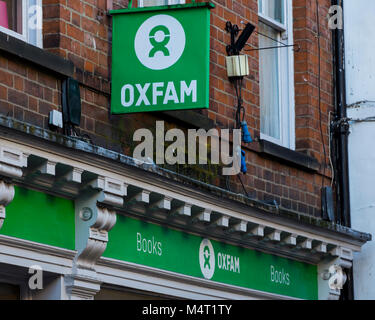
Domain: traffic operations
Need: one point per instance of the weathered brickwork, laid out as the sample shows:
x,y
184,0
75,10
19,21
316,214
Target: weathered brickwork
x,y
80,31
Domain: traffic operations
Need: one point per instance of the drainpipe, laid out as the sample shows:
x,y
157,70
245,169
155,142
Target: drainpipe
x,y
341,128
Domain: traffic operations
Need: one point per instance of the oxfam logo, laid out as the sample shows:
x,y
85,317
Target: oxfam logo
x,y
160,42
207,259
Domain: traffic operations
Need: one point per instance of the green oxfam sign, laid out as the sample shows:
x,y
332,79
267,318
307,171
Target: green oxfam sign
x,y
163,248
160,58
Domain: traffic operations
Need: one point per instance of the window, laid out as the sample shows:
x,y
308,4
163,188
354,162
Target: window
x,y
150,3
22,19
276,72
9,292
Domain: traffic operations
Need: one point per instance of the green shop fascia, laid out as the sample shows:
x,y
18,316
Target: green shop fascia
x,y
50,220
106,214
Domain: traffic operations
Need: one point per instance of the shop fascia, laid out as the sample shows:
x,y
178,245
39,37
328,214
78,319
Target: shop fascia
x,y
114,193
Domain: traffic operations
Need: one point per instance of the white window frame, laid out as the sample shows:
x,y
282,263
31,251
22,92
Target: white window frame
x,y
170,2
24,36
286,78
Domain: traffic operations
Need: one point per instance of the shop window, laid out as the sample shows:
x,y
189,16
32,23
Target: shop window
x,y
22,19
9,292
150,3
118,293
276,78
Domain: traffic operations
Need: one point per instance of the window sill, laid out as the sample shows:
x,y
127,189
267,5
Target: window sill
x,y
36,55
285,155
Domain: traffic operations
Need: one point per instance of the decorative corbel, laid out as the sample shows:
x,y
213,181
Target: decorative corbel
x,y
332,276
97,235
6,197
94,220
93,223
11,164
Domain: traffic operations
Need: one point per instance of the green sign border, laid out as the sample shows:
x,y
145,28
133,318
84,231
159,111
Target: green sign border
x,y
162,8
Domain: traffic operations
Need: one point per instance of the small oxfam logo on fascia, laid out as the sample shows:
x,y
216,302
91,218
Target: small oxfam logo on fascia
x,y
160,42
207,259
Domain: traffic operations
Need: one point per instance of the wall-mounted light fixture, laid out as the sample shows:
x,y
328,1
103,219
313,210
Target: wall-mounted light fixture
x,y
237,66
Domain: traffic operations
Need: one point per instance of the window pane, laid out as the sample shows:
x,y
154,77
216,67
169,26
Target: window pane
x,y
11,15
176,2
273,9
33,25
150,3
269,83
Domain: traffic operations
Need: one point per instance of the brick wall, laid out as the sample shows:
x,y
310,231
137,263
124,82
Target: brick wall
x,y
27,93
308,136
81,32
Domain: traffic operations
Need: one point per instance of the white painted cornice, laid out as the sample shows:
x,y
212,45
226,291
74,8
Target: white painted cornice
x,y
95,181
24,253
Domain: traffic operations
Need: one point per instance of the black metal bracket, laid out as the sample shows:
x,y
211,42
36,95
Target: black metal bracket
x,y
233,30
278,47
235,47
341,126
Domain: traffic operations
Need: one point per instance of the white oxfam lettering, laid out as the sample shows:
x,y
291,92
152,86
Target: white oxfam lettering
x,y
124,101
142,94
156,92
138,93
171,94
189,91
